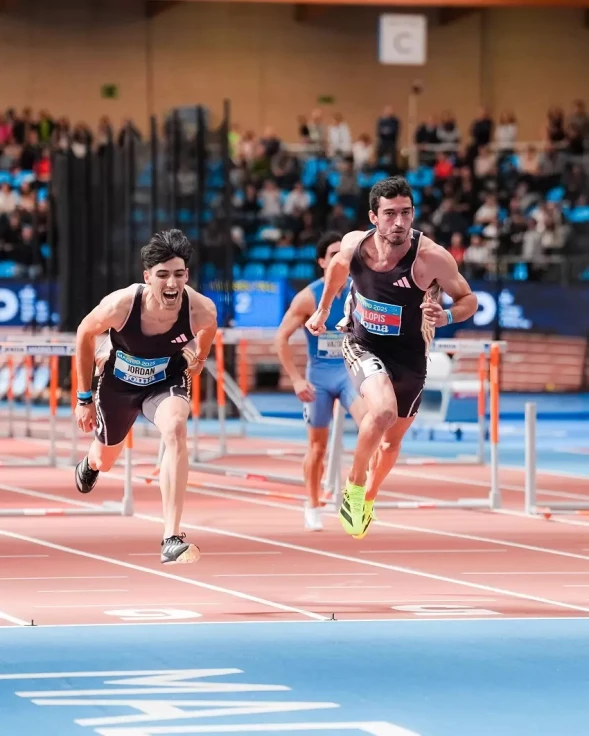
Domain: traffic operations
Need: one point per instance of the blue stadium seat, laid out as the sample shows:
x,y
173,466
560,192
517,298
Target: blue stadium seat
x,y
7,269
236,271
260,253
302,271
208,271
334,177
284,253
556,194
5,177
333,199
277,271
579,214
308,252
253,271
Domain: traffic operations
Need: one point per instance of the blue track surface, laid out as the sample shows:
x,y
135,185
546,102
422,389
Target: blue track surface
x,y
432,678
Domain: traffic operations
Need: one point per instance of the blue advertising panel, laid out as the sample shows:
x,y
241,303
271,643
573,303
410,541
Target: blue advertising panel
x,y
255,303
546,308
21,302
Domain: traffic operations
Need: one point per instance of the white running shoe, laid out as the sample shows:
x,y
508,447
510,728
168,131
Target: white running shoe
x,y
313,522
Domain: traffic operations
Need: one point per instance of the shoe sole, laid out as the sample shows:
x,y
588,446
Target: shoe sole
x,y
189,555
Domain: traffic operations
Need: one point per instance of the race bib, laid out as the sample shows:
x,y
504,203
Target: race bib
x,y
140,371
377,317
329,346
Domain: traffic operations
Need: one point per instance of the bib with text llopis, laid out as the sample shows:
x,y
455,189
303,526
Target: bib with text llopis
x,y
139,371
377,317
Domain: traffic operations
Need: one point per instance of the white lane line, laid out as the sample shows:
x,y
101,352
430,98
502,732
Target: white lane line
x,y
161,574
106,606
74,577
84,591
483,484
535,572
345,558
349,587
13,619
209,554
292,574
380,565
430,551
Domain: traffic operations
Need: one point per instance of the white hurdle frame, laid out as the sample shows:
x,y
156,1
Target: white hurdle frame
x,y
51,347
532,508
205,462
493,501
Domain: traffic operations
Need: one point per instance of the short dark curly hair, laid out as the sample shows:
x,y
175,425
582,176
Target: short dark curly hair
x,y
327,239
395,186
164,246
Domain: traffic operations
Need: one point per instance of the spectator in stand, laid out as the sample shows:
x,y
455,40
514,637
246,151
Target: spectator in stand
x,y
270,142
477,258
481,129
457,249
427,135
5,130
363,152
338,220
555,130
447,133
9,199
485,165
317,132
506,133
387,135
579,118
339,138
31,151
271,207
308,234
45,128
488,212
444,167
297,201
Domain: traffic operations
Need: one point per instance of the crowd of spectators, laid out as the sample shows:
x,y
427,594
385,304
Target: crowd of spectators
x,y
493,200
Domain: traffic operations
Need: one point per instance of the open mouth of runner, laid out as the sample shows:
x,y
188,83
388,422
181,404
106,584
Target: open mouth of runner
x,y
170,297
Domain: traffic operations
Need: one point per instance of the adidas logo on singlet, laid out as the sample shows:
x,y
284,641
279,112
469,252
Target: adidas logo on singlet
x,y
181,338
403,283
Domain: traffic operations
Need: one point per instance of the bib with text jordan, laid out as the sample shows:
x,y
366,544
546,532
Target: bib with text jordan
x,y
139,371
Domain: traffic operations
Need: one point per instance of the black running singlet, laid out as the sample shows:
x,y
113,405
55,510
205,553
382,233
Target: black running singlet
x,y
142,360
385,307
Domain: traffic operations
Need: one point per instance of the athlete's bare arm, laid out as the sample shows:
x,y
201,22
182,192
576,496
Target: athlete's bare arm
x,y
335,279
440,265
301,308
111,313
203,320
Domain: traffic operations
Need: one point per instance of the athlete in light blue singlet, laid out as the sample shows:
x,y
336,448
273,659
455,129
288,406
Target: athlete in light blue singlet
x,y
326,378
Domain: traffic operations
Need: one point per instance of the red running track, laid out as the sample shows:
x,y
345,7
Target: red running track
x,y
258,564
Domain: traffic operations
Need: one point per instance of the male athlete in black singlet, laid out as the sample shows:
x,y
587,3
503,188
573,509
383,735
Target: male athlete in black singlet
x,y
143,367
397,274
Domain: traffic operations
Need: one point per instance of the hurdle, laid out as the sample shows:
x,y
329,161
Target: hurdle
x,y
493,500
531,506
51,349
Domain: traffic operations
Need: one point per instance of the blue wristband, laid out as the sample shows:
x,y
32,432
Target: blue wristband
x,y
84,395
449,316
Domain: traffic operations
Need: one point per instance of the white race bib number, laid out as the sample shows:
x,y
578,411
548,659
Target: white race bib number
x,y
329,346
140,371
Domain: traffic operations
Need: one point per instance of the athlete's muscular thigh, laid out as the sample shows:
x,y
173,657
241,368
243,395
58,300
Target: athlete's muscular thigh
x,y
380,399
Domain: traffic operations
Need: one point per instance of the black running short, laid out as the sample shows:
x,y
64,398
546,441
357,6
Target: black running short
x,y
407,381
118,405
